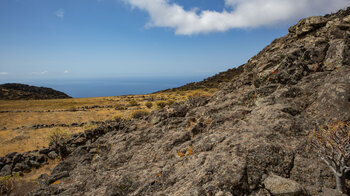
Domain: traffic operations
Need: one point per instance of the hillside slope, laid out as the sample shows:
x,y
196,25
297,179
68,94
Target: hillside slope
x,y
210,82
250,133
14,91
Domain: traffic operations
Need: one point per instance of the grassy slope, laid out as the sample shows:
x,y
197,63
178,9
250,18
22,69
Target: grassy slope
x,y
14,137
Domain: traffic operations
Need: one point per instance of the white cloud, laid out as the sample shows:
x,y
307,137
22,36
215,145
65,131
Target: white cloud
x,y
65,71
40,73
4,73
60,13
237,14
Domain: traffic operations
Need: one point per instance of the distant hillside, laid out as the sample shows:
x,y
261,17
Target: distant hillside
x,y
13,91
211,82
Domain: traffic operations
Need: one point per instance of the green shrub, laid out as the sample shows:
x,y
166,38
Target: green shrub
x,y
149,105
161,104
139,113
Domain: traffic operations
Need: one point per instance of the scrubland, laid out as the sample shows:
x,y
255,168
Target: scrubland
x,y
26,124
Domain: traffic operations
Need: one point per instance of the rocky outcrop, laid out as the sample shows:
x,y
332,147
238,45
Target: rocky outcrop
x,y
13,91
232,143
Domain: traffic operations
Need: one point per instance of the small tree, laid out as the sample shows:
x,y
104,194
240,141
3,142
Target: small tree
x,y
57,139
332,144
57,136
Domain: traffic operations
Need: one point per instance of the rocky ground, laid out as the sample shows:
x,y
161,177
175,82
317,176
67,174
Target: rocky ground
x,y
250,138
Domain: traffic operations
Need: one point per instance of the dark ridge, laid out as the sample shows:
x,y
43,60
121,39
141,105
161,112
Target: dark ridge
x,y
14,91
210,82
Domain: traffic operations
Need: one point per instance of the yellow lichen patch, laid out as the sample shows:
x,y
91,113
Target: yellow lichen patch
x,y
180,154
56,182
189,151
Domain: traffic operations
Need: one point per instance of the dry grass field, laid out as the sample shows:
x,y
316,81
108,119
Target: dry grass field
x,y
19,119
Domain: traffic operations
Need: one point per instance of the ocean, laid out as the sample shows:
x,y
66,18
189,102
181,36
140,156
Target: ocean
x,y
102,87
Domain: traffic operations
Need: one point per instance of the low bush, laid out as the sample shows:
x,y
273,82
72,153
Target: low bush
x,y
118,117
149,105
139,113
120,107
133,103
161,104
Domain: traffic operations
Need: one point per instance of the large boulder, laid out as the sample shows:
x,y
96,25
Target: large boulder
x,y
279,186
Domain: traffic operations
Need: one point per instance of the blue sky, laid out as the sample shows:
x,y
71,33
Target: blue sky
x,y
52,39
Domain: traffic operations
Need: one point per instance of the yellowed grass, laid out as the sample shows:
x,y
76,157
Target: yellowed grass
x,y
27,140
34,174
21,140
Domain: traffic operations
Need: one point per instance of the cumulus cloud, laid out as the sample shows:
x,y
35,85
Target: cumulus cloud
x,y
60,13
65,71
4,73
236,14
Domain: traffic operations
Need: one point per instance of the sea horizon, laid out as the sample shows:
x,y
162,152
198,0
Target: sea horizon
x,y
105,87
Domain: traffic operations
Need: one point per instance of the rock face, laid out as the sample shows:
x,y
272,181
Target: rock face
x,y
13,91
254,127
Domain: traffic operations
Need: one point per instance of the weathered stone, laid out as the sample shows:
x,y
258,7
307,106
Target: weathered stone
x,y
58,176
6,170
279,186
330,192
308,25
34,164
43,180
44,151
52,155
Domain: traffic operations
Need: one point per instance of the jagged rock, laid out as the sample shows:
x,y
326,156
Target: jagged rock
x,y
34,164
279,186
307,25
20,167
58,176
44,151
43,180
